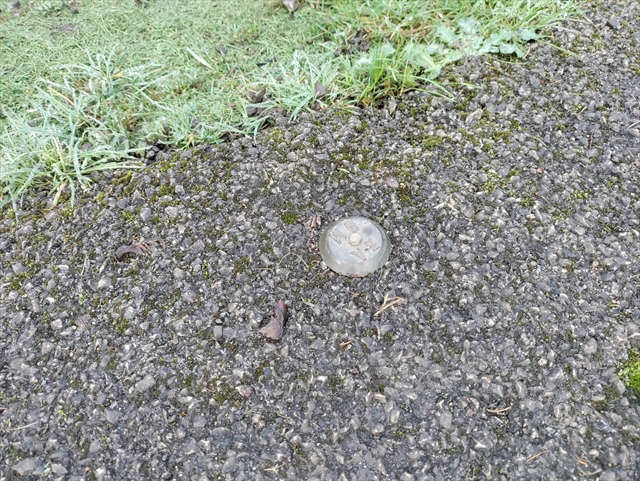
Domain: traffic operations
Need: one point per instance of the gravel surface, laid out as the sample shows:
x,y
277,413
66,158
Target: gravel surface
x,y
514,217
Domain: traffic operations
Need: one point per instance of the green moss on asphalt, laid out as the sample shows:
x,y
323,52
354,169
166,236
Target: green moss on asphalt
x,y
629,373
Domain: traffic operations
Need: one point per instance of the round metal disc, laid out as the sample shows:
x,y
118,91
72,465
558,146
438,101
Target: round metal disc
x,y
354,246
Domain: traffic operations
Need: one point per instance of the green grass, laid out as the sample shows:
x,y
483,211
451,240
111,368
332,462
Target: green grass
x,y
86,91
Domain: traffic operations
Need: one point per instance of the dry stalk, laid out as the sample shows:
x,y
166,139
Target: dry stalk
x,y
537,455
389,302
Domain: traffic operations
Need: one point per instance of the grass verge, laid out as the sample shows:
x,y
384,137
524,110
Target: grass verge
x,y
103,78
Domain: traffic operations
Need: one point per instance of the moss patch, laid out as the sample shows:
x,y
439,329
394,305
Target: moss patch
x,y
289,218
629,372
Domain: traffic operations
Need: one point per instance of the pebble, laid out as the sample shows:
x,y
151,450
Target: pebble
x,y
392,183
614,23
535,83
144,384
217,332
474,116
591,347
445,418
112,415
172,211
27,466
145,214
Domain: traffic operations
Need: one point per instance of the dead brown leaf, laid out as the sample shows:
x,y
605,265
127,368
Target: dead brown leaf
x,y
273,330
144,247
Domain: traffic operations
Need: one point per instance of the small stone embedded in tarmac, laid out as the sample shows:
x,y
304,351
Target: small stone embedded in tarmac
x,y
27,466
535,83
516,240
145,383
614,23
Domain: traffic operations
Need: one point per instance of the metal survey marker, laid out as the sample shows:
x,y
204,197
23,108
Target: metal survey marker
x,y
354,246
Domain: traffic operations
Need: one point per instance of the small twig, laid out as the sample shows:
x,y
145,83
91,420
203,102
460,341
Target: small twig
x,y
499,411
584,463
345,343
22,427
538,195
537,455
84,265
274,468
293,254
593,473
388,303
104,264
634,124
